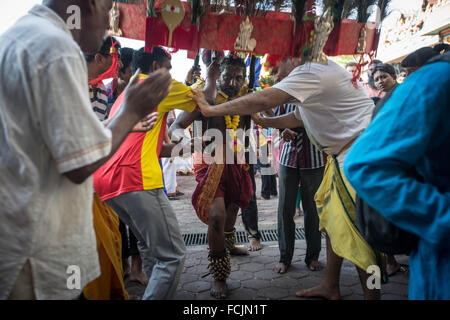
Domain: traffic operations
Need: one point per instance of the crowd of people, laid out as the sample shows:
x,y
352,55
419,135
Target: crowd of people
x,y
88,170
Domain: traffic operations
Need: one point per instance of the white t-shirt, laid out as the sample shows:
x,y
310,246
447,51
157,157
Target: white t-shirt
x,y
47,128
331,108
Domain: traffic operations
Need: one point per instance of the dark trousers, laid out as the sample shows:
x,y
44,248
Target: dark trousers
x,y
268,182
250,215
310,181
129,241
269,186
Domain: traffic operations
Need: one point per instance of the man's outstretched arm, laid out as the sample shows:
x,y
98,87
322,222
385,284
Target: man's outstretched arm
x,y
281,122
248,104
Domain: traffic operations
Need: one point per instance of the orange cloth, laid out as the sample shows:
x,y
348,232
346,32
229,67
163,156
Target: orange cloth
x,y
109,285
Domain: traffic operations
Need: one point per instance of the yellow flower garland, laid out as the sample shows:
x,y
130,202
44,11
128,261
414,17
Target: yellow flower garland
x,y
233,125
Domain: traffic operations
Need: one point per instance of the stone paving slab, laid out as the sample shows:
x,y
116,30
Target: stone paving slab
x,y
252,277
247,284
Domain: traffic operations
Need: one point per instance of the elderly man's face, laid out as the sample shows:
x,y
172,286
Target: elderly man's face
x,y
231,80
94,23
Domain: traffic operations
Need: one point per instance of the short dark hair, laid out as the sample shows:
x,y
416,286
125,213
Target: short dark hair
x,y
420,57
105,49
384,67
126,56
351,64
144,60
235,62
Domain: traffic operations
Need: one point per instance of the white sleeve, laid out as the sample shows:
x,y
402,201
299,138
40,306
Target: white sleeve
x,y
302,83
72,132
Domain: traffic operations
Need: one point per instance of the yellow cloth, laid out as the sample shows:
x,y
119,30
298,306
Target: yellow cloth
x,y
152,175
109,285
335,201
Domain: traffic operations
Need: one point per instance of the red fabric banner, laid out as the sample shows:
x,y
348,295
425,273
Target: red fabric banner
x,y
274,33
345,36
132,20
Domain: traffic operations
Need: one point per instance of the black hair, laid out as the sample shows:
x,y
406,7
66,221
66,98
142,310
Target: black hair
x,y
384,67
144,60
105,48
351,64
235,62
126,56
160,54
420,57
376,61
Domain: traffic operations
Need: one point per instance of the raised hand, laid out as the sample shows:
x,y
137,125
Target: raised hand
x,y
256,118
199,98
288,135
213,72
147,123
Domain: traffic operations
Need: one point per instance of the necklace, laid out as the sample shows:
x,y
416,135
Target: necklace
x,y
233,125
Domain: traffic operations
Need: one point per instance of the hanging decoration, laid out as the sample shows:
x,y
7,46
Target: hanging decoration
x,y
322,29
279,27
172,13
114,21
244,42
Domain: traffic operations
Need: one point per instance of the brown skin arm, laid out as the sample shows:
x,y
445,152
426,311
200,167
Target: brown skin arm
x,y
269,113
248,104
141,99
210,90
281,122
167,147
185,119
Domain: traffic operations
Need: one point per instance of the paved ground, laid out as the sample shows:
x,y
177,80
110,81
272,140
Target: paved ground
x,y
251,276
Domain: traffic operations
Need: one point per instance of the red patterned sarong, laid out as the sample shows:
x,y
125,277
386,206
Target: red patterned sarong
x,y
229,181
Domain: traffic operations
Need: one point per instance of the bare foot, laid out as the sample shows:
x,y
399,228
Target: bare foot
x,y
136,271
262,198
321,291
315,266
236,251
280,268
255,245
299,212
219,289
139,277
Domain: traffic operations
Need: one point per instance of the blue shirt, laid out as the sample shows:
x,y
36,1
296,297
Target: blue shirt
x,y
412,130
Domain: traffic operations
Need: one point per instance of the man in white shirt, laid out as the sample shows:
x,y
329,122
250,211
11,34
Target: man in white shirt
x,y
50,144
334,113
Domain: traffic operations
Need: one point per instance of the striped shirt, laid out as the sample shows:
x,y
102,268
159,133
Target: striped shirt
x,y
99,101
299,152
